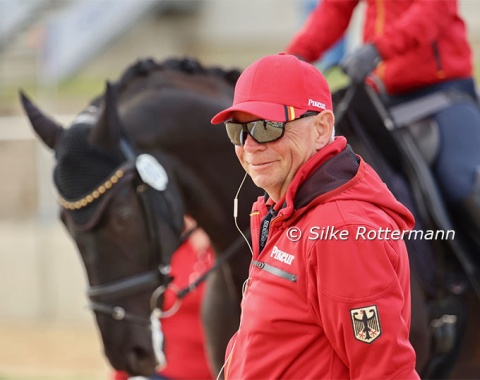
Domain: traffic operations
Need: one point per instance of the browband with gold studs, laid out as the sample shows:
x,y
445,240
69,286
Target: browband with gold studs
x,y
95,194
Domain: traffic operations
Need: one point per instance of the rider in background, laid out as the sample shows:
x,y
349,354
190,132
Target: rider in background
x,y
184,335
415,48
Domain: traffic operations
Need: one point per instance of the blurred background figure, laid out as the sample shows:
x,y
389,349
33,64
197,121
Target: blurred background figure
x,y
333,55
415,48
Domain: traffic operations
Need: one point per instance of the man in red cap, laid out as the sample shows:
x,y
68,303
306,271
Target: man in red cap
x,y
328,293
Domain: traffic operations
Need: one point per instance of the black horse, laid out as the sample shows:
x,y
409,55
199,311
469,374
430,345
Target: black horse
x,y
126,217
127,221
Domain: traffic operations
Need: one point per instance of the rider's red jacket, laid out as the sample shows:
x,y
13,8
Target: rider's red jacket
x,y
331,304
421,41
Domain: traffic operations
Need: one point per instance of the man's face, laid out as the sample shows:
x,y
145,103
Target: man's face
x,y
273,165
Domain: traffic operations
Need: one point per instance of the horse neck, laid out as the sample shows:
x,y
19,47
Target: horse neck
x,y
175,120
209,200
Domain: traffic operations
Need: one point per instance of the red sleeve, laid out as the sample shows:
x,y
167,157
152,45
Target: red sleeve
x,y
119,375
325,25
354,279
420,25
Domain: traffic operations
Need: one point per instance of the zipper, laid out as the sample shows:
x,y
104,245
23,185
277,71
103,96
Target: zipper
x,y
380,19
269,232
275,271
270,268
226,368
438,61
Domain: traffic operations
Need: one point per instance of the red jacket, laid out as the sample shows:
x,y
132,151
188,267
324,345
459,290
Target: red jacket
x,y
307,302
422,42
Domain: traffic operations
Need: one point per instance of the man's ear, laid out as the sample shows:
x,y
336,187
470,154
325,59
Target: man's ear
x,y
324,124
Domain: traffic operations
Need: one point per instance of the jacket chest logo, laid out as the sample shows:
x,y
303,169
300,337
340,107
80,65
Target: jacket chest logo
x,y
282,256
366,323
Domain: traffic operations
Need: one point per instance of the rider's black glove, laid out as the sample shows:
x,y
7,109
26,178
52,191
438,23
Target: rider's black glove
x,y
359,63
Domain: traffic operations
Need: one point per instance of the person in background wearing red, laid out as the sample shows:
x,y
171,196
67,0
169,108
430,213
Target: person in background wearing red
x,y
184,335
415,48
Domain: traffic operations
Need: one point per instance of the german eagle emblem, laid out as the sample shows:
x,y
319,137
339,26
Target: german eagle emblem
x,y
366,323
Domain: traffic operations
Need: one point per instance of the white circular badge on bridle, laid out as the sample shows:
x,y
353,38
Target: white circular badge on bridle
x,y
152,172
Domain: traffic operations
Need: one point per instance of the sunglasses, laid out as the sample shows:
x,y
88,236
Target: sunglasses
x,y
262,131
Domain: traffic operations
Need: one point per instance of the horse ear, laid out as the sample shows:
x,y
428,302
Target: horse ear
x,y
46,128
107,130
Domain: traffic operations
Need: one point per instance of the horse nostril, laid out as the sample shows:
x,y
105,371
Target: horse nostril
x,y
140,353
140,362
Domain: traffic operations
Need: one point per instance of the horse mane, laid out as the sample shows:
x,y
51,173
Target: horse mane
x,y
75,156
187,65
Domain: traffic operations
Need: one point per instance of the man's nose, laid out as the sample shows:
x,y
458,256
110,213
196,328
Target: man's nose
x,y
250,145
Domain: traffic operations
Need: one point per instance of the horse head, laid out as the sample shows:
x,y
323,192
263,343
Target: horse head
x,y
126,218
128,169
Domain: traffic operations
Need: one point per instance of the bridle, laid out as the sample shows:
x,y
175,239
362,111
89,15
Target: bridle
x,y
160,278
144,281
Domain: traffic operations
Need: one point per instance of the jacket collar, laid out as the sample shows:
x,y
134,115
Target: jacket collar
x,y
328,169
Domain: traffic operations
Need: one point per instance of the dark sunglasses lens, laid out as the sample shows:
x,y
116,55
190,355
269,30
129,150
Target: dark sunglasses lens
x,y
261,131
234,132
265,131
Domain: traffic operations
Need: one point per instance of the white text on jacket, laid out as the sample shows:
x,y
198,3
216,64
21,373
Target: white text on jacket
x,y
279,255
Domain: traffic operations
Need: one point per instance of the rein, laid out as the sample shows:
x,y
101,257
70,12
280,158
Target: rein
x,y
227,255
144,281
182,293
127,287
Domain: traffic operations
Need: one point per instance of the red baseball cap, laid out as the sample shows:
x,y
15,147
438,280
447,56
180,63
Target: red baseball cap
x,y
279,87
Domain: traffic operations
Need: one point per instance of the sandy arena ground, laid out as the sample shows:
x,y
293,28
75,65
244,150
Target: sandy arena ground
x,y
44,352
45,330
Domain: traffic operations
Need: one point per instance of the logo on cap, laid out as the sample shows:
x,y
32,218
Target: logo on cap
x,y
314,103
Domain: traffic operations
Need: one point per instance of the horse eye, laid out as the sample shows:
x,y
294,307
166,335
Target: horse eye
x,y
120,216
123,214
